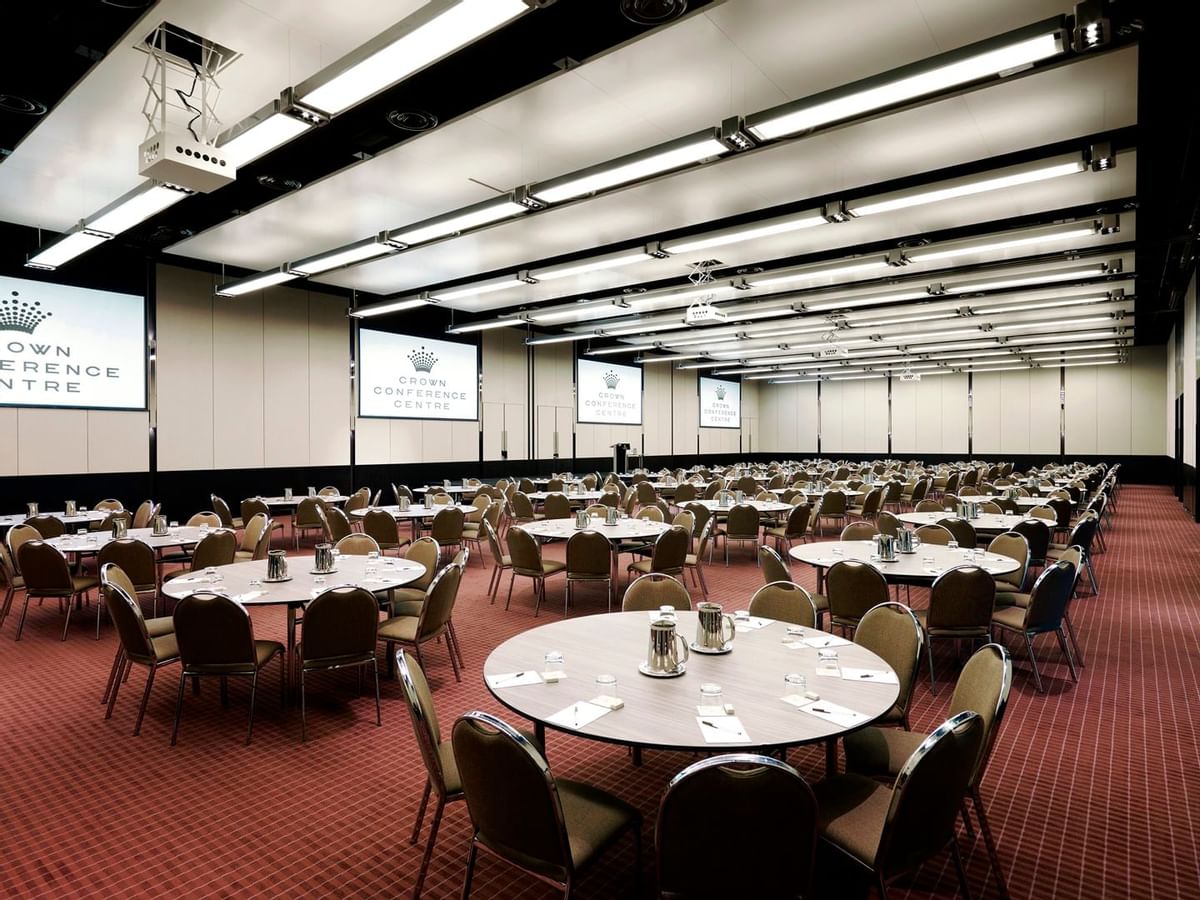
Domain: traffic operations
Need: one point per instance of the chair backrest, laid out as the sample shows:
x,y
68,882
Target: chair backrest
x,y
525,551
935,534
360,499
556,506
511,795
797,520
145,513
211,519
401,490
833,503
381,526
670,550
1084,532
872,502
743,522
650,514
135,558
427,552
8,566
45,569
962,598
927,794
888,523
110,504
215,634
217,548
338,522
1047,601
126,612
649,592
306,513
1037,533
447,527
645,492
853,587
589,555
252,507
255,526
773,566
439,599
750,795
47,526
701,513
329,491
891,631
859,531
963,531
685,493
340,623
1016,547
522,507
983,687
785,601
929,506
685,519
222,509
423,716
357,545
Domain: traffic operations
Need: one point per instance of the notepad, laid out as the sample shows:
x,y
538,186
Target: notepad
x,y
249,595
876,676
752,624
514,679
820,643
722,730
831,712
579,714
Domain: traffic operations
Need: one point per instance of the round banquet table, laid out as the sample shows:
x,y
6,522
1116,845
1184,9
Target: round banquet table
x,y
660,713
582,496
819,492
1022,502
414,513
908,568
84,517
992,523
626,529
294,500
92,541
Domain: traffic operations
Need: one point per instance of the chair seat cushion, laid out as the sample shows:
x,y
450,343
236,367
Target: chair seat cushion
x,y
407,608
963,631
243,554
160,626
1012,617
820,601
165,646
551,566
642,566
880,751
84,582
594,818
264,650
1011,598
853,810
398,628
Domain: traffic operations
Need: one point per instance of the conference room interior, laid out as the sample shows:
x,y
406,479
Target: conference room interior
x,y
600,448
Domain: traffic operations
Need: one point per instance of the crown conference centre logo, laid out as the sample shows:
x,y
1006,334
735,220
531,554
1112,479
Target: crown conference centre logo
x,y
21,315
721,392
422,360
611,379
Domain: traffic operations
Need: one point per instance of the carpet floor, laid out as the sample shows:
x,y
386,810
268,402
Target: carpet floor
x,y
1092,790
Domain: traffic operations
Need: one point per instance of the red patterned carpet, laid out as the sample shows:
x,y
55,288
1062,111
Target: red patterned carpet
x,y
1092,789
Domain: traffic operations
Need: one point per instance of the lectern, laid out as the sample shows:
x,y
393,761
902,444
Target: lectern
x,y
619,456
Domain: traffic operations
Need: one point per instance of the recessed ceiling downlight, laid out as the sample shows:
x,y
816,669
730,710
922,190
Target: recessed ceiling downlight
x,y
652,12
11,103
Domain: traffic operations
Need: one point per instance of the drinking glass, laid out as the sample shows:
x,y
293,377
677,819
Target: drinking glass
x,y
794,683
606,686
552,668
952,544
711,694
741,617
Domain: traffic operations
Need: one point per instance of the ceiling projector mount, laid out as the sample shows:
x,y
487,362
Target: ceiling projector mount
x,y
701,311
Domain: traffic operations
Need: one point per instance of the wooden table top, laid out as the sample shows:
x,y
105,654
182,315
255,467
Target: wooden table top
x,y
819,492
625,529
80,518
540,496
926,564
661,712
763,506
447,489
236,579
1022,502
984,522
181,536
296,498
415,511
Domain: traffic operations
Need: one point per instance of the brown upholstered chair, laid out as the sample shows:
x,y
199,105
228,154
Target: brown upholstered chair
x,y
339,630
872,502
13,581
773,566
935,534
695,561
136,559
522,509
217,548
47,575
785,601
929,506
794,528
433,620
402,490
853,587
556,506
501,561
211,519
329,491
143,517
216,637
336,522
888,523
447,528
1047,607
252,507
381,526
221,508
589,559
18,535
889,831
742,525
407,600
1038,533
357,545
649,592
669,556
1015,547
892,632
256,538
859,531
47,526
306,519
360,499
961,602
983,687
549,828
963,531
138,642
526,555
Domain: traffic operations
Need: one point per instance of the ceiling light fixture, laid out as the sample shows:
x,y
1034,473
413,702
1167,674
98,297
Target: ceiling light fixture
x,y
391,306
993,58
432,32
460,220
995,284
562,338
485,326
633,167
767,228
136,207
256,282
481,287
360,251
849,268
595,264
66,248
278,122
622,348
1024,238
1038,304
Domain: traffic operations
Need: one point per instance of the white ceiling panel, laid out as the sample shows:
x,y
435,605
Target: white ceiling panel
x,y
84,155
920,139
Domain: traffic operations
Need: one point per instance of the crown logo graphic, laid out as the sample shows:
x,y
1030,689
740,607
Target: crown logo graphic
x,y
611,378
21,315
721,392
422,360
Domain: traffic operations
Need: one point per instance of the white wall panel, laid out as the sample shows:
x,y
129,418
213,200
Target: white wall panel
x,y
9,456
1045,410
52,441
1148,412
238,372
1014,412
906,436
986,415
372,442
875,416
954,413
656,409
185,364
118,441
686,423
329,404
1189,374
1080,414
285,377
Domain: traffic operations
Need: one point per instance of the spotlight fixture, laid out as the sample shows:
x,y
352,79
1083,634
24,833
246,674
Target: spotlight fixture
x,y
1092,27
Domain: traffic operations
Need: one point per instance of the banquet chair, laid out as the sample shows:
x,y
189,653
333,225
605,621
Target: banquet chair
x,y
402,490
961,602
257,533
13,581
649,592
522,509
889,524
144,516
357,545
381,526
852,588
47,526
929,506
221,508
136,559
1044,614
339,630
793,529
589,559
833,506
963,531
18,535
549,828
433,620
306,519
695,561
686,520
473,523
991,507
746,793
1082,536
501,561
646,494
742,525
684,493
360,499
206,517
526,486
892,493
859,531
556,506
889,831
329,491
773,566
1015,547
669,556
871,503
526,555
983,688
336,522
785,601
447,527
251,507
1037,533
216,638
149,643
892,632
47,575
935,534
107,505
217,548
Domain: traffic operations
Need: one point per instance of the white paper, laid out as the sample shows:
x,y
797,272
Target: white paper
x,y
722,730
831,712
188,579
514,679
877,676
830,640
829,671
796,699
752,624
578,715
249,595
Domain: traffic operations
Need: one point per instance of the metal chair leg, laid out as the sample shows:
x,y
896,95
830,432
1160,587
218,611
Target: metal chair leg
x,y
416,832
303,709
428,855
1066,649
137,728
1074,640
986,831
112,694
253,691
112,675
963,887
1037,676
466,891
178,708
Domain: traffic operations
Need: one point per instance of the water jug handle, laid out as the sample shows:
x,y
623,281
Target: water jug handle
x,y
729,621
683,644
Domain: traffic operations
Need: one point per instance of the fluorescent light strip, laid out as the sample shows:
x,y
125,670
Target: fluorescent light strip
x,y
1037,304
1053,323
904,320
567,313
136,207
421,41
935,77
263,137
863,301
1077,231
1105,354
472,217
768,228
965,188
485,326
1026,280
675,357
474,290
65,249
1108,362
255,282
380,309
664,158
562,338
335,259
610,351
590,265
854,377
832,271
